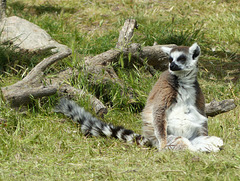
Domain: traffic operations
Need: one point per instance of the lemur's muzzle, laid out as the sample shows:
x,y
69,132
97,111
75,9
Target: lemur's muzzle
x,y
174,67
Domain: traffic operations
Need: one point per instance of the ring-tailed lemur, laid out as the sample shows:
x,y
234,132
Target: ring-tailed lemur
x,y
174,116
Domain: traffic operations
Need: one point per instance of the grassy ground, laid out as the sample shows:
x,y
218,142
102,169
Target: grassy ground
x,y
40,145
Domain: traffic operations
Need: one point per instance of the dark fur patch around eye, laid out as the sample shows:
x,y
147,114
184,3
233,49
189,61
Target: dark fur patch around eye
x,y
170,59
182,59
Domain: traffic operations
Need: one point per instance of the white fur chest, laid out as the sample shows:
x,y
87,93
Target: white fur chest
x,y
183,119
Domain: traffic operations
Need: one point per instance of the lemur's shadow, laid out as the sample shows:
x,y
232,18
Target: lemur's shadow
x,y
227,68
40,9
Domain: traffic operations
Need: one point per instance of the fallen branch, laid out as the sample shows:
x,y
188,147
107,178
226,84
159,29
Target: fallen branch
x,y
214,108
60,81
31,86
155,56
151,57
98,106
28,37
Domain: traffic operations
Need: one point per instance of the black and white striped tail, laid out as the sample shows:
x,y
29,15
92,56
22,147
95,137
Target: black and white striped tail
x,y
93,126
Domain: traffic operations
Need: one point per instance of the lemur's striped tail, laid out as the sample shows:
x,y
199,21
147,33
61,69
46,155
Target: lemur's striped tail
x,y
93,126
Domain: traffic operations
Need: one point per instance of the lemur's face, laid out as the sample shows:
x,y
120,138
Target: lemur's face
x,y
182,59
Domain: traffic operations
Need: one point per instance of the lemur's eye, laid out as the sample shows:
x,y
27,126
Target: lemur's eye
x,y
182,59
170,59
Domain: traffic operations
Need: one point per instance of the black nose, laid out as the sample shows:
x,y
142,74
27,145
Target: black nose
x,y
174,67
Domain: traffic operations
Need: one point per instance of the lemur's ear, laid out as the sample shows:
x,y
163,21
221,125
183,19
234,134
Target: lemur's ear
x,y
166,50
195,51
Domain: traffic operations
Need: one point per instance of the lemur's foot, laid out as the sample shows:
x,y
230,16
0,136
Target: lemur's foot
x,y
208,143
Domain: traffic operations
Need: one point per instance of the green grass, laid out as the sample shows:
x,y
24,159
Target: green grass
x,y
38,144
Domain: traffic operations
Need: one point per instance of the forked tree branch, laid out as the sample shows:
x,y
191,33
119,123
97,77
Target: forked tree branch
x,y
29,37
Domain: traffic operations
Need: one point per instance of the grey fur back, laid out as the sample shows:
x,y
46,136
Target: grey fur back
x,y
93,126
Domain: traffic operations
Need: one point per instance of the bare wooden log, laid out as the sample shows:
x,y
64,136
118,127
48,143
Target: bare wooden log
x,y
151,56
124,40
126,33
26,36
28,87
148,56
97,105
39,69
2,9
100,65
20,96
60,80
151,70
155,56
214,108
104,58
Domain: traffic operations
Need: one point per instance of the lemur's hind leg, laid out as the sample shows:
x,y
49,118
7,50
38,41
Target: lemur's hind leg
x,y
201,143
207,143
179,143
